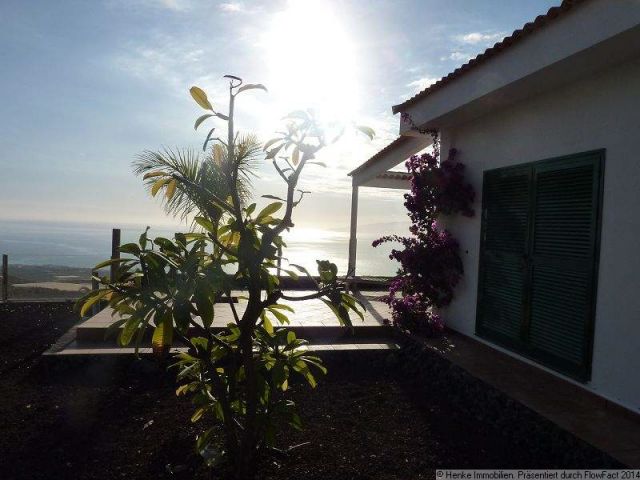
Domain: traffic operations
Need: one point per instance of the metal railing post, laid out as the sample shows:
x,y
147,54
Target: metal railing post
x,y
5,277
115,253
95,308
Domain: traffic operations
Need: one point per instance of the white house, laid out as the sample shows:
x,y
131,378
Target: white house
x,y
547,123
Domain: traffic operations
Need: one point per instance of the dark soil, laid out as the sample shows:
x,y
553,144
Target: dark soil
x,y
28,329
120,418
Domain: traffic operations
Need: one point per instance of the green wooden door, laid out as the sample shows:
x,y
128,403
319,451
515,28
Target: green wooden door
x,y
539,256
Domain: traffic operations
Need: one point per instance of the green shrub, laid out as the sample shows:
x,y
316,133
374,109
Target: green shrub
x,y
237,378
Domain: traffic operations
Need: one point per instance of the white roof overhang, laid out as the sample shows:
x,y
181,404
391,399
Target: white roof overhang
x,y
596,35
376,172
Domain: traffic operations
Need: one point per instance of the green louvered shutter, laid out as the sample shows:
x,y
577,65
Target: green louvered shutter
x,y
539,258
505,218
563,262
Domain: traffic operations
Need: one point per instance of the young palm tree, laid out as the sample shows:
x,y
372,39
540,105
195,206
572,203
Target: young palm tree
x,y
191,178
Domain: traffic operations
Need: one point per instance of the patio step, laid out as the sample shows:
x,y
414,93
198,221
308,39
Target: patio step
x,y
96,333
313,321
75,349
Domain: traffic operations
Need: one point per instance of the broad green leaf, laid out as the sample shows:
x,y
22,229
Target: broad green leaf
x,y
200,97
281,306
250,86
204,440
295,157
201,119
182,315
282,318
300,268
128,331
163,333
114,328
291,273
271,154
204,223
368,131
268,326
328,271
99,295
340,312
131,248
111,261
143,238
183,389
270,142
269,210
250,209
316,362
204,305
273,197
206,142
197,415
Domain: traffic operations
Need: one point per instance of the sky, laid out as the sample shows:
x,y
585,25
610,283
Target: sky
x,y
88,85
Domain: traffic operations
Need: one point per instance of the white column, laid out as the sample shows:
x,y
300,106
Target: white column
x,y
353,240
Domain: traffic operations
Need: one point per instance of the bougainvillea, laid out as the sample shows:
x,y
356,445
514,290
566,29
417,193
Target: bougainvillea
x,y
430,263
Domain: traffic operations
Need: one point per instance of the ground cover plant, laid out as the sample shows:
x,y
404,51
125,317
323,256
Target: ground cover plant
x,y
239,377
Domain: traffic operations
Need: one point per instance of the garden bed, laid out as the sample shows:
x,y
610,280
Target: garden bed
x,y
119,418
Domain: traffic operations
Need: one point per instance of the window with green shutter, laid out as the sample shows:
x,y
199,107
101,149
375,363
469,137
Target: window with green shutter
x,y
539,258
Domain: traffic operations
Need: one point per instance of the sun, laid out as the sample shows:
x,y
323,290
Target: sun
x,y
312,60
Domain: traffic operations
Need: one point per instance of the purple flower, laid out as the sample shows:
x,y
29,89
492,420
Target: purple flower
x,y
430,264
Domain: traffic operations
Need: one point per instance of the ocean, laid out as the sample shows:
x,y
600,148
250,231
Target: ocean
x,y
85,245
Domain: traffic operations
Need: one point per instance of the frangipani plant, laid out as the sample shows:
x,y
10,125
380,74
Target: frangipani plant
x,y
237,375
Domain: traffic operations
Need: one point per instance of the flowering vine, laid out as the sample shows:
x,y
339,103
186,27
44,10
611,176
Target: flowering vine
x,y
430,263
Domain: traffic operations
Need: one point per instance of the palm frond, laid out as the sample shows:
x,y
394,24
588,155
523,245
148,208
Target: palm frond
x,y
188,200
211,173
248,154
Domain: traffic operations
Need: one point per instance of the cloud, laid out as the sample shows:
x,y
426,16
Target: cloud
x,y
422,83
459,56
470,44
175,5
164,59
231,7
480,38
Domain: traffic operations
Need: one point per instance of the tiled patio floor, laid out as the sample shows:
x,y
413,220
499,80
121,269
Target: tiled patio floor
x,y
309,313
312,320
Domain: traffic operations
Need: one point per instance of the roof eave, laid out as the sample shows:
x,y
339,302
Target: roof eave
x,y
516,37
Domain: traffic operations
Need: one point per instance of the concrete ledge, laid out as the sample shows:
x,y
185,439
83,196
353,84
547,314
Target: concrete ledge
x,y
77,351
96,333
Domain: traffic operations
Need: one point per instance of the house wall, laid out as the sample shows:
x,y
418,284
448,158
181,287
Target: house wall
x,y
602,111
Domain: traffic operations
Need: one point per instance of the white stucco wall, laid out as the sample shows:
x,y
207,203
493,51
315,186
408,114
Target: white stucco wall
x,y
602,111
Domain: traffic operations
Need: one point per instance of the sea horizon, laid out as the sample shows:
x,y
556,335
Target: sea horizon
x,y
85,244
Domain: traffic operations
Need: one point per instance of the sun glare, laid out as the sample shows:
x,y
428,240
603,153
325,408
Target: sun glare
x,y
312,60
